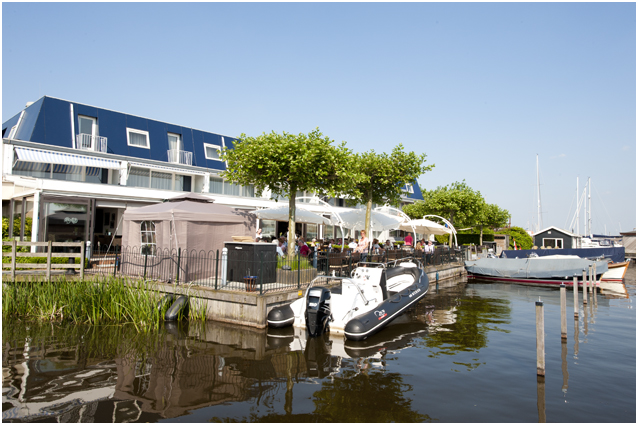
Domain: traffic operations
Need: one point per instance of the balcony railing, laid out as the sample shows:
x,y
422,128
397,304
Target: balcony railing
x,y
176,156
88,142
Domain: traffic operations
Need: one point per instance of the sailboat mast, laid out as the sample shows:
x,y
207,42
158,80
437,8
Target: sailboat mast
x,y
538,186
589,214
577,210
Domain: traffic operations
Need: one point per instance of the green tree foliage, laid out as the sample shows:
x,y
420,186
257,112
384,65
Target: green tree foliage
x,y
286,163
491,216
457,202
518,234
385,177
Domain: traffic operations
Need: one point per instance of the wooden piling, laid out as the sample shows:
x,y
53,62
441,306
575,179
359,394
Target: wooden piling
x,y
540,339
584,287
563,311
576,297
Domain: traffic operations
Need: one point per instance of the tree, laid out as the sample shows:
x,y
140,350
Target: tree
x,y
492,216
384,177
286,163
520,235
457,202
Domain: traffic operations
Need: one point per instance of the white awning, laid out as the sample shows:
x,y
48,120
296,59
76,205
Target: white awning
x,y
37,155
165,168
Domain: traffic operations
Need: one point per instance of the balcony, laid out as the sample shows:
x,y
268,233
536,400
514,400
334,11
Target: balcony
x,y
176,156
88,142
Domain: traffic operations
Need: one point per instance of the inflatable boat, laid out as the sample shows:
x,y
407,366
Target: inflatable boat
x,y
358,306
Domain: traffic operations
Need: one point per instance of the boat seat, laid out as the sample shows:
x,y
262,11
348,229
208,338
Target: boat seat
x,y
396,271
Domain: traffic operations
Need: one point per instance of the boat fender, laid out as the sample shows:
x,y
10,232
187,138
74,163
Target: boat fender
x,y
165,302
280,317
179,309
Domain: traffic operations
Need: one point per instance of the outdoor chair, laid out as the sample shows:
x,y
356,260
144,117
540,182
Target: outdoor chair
x,y
337,262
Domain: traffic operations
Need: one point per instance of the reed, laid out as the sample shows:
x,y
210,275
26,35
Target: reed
x,y
101,300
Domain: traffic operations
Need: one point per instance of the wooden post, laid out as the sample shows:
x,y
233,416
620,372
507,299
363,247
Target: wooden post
x,y
540,339
584,287
576,297
563,311
82,248
13,260
49,261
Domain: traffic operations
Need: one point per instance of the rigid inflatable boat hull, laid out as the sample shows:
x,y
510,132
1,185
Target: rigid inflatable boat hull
x,y
367,324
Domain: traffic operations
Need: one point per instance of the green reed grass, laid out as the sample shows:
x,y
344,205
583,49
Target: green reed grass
x,y
101,300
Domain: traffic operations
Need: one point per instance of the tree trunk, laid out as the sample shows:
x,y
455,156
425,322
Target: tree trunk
x,y
481,237
291,221
368,215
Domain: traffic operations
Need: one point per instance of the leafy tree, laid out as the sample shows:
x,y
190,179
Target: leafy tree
x,y
385,177
457,202
286,163
518,234
492,216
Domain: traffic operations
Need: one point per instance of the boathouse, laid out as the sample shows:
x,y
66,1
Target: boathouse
x,y
555,238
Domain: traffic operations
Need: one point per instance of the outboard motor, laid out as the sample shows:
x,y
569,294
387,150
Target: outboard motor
x,y
317,310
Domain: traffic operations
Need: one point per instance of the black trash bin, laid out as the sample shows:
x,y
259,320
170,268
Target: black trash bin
x,y
251,259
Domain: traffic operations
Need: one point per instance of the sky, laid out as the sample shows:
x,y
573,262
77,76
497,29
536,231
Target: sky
x,y
483,89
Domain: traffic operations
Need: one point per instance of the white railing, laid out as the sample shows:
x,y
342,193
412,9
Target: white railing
x,y
88,142
176,156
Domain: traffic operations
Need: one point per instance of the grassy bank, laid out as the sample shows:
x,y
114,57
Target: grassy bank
x,y
98,301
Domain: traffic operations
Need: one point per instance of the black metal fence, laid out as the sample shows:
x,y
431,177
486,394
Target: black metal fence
x,y
265,272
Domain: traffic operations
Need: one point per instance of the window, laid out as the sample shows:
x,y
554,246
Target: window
x,y
147,238
161,180
223,187
87,125
137,138
139,177
311,231
182,183
175,142
40,170
212,151
268,227
553,243
231,189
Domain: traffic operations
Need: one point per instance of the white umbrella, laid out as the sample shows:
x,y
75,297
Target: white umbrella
x,y
380,221
281,214
424,226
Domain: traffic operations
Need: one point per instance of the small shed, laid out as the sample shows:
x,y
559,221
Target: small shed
x,y
553,237
190,223
629,242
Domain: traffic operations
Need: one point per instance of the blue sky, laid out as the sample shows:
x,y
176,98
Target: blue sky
x,y
481,88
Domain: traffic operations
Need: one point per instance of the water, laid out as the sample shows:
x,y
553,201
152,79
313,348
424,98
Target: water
x,y
467,353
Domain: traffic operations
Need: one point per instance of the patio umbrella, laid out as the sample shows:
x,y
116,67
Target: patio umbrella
x,y
424,226
380,221
281,214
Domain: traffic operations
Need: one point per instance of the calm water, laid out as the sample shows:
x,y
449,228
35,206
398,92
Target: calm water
x,y
467,353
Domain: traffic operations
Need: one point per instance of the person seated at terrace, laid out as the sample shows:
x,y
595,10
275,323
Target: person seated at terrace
x,y
419,246
304,250
375,246
352,244
280,249
388,245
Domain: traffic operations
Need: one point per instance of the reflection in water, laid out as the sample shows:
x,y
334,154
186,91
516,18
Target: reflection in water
x,y
540,398
223,373
113,373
